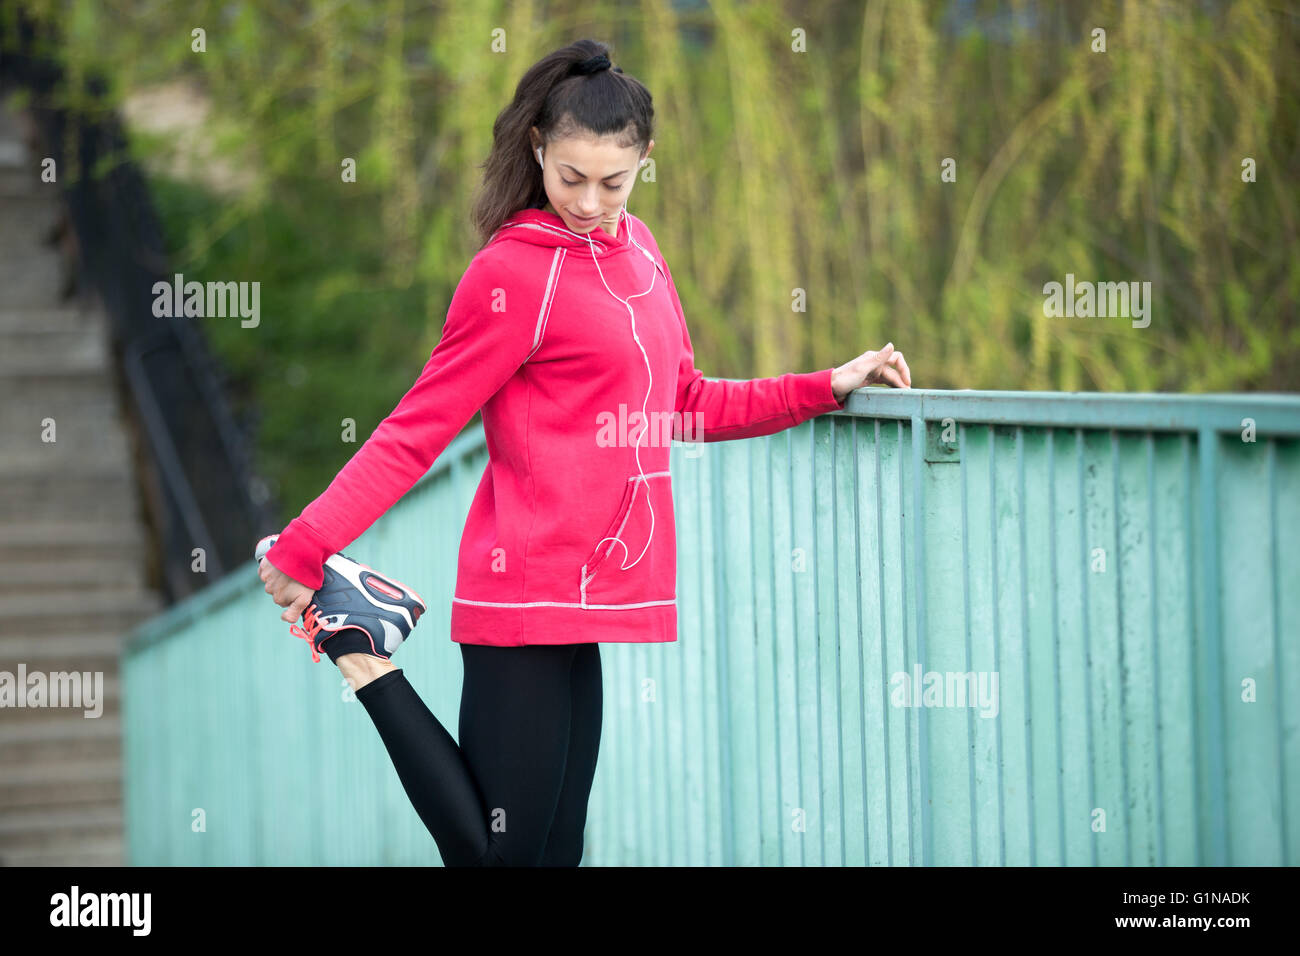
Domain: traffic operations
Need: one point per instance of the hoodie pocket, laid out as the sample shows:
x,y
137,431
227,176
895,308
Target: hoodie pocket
x,y
612,573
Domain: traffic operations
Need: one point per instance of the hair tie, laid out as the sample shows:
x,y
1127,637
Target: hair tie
x,y
594,64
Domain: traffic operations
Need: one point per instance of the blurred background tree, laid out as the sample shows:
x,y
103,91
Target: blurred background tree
x,y
796,149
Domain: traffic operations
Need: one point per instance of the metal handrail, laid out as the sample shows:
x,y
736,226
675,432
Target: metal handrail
x,y
1274,413
176,485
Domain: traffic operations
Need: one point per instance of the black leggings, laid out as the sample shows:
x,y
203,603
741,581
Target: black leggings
x,y
514,792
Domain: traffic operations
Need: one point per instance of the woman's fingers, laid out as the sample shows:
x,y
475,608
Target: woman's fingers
x,y
875,361
297,606
278,585
286,592
899,363
888,365
891,375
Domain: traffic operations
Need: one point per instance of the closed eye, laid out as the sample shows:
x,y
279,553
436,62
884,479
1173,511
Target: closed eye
x,y
607,186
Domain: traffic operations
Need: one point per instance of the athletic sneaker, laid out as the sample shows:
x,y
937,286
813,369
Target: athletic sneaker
x,y
356,609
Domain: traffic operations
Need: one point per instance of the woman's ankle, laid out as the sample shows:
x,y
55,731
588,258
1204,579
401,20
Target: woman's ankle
x,y
360,669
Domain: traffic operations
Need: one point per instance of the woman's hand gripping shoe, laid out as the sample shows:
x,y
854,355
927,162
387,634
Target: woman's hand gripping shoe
x,y
355,610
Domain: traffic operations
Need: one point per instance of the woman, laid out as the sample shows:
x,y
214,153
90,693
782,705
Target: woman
x,y
565,322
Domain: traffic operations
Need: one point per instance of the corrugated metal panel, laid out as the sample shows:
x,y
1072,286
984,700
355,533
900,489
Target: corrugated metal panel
x,y
1118,562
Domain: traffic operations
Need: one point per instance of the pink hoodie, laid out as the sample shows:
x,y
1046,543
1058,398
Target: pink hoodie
x,y
570,536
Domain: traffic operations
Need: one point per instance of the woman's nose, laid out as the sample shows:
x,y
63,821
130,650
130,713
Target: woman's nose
x,y
589,205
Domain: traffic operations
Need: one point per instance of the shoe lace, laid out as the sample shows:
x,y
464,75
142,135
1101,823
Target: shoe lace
x,y
314,626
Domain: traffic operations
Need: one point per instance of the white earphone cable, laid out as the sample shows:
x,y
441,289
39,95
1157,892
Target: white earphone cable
x,y
622,217
622,213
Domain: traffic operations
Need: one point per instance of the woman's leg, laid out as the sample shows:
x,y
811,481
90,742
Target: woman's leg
x,y
515,721
490,800
430,765
564,844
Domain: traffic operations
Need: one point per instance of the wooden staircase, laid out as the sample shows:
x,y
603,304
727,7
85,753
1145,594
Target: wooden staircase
x,y
73,537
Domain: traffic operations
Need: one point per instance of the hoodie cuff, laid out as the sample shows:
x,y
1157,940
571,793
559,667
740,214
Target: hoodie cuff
x,y
300,553
812,395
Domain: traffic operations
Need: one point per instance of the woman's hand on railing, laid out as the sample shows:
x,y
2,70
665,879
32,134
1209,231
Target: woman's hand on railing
x,y
884,366
288,593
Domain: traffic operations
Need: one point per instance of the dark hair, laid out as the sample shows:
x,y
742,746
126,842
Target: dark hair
x,y
561,97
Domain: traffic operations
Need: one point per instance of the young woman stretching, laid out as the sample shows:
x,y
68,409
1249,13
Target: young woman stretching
x,y
565,322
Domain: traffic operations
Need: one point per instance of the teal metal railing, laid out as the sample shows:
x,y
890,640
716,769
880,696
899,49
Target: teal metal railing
x,y
1089,593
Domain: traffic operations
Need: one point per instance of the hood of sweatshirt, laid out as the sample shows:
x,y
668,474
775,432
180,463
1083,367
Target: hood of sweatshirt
x,y
539,227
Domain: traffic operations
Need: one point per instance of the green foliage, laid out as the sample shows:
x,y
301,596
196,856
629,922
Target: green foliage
x,y
775,170
335,340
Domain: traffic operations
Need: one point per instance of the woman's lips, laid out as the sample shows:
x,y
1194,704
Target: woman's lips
x,y
587,222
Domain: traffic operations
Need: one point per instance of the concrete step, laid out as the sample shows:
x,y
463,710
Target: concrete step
x,y
62,738
80,447
64,382
81,410
104,704
60,650
58,354
106,851
50,319
61,784
71,612
17,181
56,828
23,245
13,126
41,575
33,215
20,171
112,496
26,347
48,653
93,650
31,280
108,708
121,541
23,414
67,538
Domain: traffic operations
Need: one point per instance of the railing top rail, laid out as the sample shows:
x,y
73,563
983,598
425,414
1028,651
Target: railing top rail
x,y
1274,413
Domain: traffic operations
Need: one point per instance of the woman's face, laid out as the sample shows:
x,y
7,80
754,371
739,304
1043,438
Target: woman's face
x,y
588,179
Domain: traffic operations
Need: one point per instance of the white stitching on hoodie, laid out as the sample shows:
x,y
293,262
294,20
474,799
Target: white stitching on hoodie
x,y
585,607
552,281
